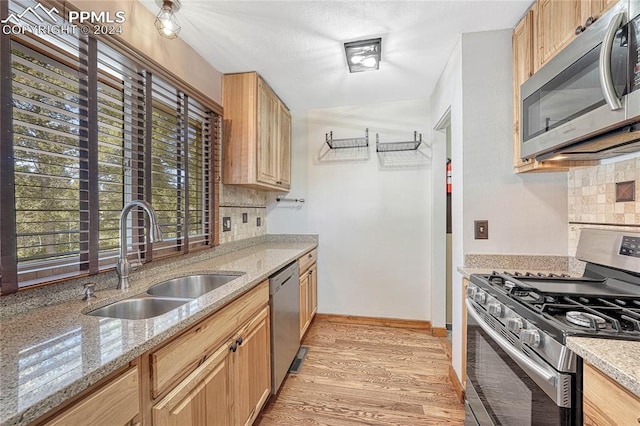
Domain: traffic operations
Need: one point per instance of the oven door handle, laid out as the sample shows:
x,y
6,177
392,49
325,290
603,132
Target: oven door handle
x,y
528,365
604,65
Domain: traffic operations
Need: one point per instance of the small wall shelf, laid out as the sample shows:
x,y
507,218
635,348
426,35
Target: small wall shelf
x,y
399,146
347,143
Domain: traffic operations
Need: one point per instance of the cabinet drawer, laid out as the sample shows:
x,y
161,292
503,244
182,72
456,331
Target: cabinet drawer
x,y
606,402
178,358
115,403
307,260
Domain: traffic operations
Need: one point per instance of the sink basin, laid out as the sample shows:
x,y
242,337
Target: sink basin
x,y
137,308
192,286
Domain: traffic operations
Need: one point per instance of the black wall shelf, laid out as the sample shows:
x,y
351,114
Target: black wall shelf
x,y
348,142
399,146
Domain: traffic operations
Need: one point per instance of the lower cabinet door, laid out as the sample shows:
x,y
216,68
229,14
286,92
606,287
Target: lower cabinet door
x,y
203,398
313,291
304,303
115,403
252,369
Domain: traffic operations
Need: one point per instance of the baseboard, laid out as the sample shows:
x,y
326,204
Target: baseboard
x,y
457,386
439,331
384,322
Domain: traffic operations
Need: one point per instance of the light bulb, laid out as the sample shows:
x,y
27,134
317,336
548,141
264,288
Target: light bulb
x,y
357,59
166,22
369,62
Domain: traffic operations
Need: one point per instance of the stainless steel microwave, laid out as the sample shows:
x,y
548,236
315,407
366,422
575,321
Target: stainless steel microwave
x,y
585,102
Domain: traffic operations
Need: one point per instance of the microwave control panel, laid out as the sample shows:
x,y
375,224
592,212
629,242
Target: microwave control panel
x,y
630,246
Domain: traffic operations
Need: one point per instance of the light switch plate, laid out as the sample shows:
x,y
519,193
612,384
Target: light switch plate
x,y
226,224
481,229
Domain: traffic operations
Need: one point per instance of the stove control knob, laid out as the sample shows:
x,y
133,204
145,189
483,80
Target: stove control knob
x,y
531,338
471,291
515,325
480,297
495,309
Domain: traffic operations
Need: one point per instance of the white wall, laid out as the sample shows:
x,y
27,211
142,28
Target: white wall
x,y
448,95
536,212
526,213
373,218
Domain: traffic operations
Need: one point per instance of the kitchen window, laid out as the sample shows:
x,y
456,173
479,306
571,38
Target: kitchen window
x,y
92,129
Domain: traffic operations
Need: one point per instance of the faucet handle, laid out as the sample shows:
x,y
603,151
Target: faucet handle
x,y
89,289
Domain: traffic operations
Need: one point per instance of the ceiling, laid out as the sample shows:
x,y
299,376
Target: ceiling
x,y
297,46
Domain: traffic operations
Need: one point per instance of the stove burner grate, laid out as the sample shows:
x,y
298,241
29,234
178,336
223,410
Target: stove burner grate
x,y
584,319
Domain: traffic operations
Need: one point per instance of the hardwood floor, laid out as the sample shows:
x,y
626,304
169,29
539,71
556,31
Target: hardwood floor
x,y
361,374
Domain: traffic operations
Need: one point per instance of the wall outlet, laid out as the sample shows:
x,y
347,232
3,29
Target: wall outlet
x,y
226,224
258,221
481,229
245,217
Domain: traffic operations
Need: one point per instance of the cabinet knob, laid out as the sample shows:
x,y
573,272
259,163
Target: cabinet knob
x,y
279,182
233,347
239,341
590,20
579,29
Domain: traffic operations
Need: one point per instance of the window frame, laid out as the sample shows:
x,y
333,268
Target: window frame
x,y
9,266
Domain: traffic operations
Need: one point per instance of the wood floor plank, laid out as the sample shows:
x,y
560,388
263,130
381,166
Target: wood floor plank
x,y
358,374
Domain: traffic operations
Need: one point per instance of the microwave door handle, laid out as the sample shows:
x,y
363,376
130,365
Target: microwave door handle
x,y
604,65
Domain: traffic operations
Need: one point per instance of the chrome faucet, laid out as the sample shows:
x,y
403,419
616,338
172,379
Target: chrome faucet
x,y
155,234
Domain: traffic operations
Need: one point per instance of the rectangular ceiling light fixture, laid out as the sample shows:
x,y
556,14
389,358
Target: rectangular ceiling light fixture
x,y
363,55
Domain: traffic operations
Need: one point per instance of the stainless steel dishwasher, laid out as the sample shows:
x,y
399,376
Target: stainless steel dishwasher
x,y
284,299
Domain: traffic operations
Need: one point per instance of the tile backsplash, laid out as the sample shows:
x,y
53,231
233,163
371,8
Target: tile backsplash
x,y
236,202
592,199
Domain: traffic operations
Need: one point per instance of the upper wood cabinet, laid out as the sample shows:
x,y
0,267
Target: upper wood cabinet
x,y
256,148
558,22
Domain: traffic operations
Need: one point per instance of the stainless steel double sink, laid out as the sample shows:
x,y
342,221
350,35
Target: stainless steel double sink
x,y
165,296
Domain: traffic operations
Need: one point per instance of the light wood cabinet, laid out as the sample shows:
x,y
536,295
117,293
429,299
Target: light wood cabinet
x,y
556,22
202,398
256,148
252,369
177,358
228,387
113,404
308,290
605,402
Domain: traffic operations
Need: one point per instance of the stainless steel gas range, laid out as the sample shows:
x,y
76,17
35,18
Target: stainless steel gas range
x,y
519,369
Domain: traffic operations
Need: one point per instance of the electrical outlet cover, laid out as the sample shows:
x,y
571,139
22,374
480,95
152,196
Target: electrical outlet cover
x,y
226,224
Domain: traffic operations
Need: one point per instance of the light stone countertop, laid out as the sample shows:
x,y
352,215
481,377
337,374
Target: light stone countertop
x,y
50,354
619,359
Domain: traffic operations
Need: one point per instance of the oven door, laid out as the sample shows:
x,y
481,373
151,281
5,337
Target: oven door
x,y
501,384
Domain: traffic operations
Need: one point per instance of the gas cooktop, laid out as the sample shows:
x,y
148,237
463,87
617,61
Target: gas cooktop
x,y
592,305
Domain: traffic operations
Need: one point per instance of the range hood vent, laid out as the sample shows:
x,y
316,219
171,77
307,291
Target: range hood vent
x,y
624,140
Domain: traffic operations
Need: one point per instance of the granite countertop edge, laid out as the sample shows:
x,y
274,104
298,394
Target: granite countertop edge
x,y
211,303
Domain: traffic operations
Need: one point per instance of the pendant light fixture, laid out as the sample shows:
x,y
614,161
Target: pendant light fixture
x,y
166,21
